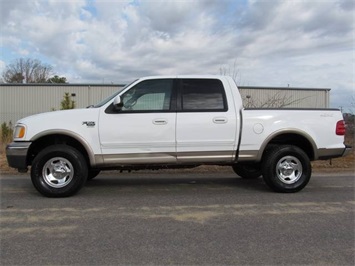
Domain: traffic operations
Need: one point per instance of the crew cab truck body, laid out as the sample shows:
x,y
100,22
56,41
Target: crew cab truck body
x,y
175,121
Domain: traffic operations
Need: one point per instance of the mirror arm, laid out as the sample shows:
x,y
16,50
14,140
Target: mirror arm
x,y
117,103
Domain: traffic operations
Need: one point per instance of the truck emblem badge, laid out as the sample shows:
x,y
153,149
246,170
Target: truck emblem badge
x,y
89,123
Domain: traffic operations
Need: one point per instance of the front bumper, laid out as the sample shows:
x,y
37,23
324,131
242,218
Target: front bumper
x,y
16,154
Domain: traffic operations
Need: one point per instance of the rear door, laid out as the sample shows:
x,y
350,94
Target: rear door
x,y
206,121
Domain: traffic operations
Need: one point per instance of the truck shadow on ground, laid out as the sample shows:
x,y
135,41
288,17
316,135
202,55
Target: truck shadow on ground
x,y
175,182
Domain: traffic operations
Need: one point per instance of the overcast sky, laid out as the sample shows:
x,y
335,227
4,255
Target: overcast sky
x,y
307,43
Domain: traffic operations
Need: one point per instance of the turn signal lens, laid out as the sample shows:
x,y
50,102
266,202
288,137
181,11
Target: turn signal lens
x,y
340,129
19,132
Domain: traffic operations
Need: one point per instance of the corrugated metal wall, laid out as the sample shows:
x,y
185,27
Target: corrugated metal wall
x,y
266,97
21,100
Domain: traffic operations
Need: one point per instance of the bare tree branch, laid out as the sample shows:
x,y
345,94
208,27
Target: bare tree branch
x,y
27,71
277,100
228,71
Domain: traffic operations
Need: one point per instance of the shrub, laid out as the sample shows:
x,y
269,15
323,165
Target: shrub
x,y
6,132
67,102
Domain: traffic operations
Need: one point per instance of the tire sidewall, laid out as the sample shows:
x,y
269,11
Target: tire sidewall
x,y
73,156
270,164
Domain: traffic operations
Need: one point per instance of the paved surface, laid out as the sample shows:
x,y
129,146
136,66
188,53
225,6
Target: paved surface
x,y
163,218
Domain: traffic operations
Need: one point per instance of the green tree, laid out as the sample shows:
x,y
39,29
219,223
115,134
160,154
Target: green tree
x,y
67,102
57,79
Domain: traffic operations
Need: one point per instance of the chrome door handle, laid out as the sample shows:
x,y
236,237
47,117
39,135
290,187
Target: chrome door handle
x,y
220,120
160,122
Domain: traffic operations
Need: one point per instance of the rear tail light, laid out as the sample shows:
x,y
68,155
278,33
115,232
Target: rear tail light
x,y
340,129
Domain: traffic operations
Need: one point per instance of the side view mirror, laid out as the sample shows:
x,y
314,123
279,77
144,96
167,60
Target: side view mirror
x,y
117,103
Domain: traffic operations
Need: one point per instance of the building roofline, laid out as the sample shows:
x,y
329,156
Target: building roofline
x,y
283,88
122,85
60,84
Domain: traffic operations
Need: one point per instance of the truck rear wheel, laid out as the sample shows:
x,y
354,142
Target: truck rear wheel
x,y
59,171
286,168
93,173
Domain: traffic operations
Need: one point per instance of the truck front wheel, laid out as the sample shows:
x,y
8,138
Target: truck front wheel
x,y
286,168
59,171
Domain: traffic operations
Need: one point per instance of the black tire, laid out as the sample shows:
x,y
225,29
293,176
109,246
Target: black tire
x,y
286,168
247,171
59,171
93,173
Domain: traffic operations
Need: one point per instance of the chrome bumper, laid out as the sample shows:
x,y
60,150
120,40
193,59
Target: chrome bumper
x,y
16,154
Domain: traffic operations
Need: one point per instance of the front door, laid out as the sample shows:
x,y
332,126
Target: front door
x,y
143,131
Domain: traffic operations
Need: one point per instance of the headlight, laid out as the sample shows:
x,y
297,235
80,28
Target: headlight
x,y
19,132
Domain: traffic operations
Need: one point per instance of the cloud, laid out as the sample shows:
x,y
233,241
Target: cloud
x,y
302,43
2,65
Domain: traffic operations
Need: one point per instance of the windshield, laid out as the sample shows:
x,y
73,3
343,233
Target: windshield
x,y
112,96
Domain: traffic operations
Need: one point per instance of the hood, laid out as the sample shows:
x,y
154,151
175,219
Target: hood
x,y
61,114
75,120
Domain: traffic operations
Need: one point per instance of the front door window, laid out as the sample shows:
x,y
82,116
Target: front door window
x,y
149,95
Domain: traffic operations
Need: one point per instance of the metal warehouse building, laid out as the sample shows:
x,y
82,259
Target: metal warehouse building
x,y
21,100
284,97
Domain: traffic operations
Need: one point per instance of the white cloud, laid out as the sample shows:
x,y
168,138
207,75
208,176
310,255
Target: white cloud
x,y
302,43
2,65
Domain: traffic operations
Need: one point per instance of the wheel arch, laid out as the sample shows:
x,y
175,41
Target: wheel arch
x,y
52,137
291,137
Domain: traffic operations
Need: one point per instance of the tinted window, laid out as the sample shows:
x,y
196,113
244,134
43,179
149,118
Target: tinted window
x,y
149,95
203,95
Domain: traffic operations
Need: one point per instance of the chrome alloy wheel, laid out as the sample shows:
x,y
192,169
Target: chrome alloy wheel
x,y
58,172
289,169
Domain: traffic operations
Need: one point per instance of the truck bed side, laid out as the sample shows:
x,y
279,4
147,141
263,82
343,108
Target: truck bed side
x,y
311,129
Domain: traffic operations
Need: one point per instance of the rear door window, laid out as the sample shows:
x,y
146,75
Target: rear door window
x,y
202,95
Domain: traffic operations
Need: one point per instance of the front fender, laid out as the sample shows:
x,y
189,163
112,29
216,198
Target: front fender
x,y
62,132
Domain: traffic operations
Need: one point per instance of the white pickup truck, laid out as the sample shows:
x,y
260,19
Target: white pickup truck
x,y
171,122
